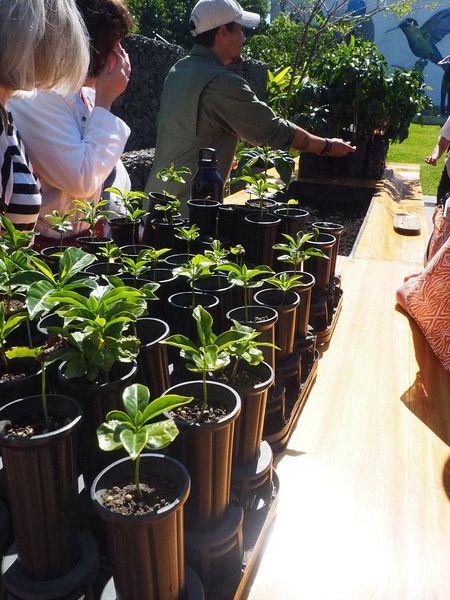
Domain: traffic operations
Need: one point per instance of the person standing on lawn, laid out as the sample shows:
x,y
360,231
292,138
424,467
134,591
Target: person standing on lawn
x,y
441,147
205,104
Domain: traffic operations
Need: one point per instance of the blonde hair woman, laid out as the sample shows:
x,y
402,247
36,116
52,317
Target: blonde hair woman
x,y
43,44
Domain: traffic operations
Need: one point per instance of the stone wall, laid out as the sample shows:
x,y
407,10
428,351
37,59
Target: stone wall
x,y
139,104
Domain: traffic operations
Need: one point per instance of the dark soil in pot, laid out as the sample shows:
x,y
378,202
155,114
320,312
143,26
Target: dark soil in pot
x,y
133,250
25,380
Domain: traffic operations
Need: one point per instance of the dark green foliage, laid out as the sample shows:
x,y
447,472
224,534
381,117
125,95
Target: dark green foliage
x,y
170,18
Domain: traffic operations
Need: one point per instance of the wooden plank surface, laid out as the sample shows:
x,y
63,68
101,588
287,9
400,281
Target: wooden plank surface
x,y
364,508
364,504
400,194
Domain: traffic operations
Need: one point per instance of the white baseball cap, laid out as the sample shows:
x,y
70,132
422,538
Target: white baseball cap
x,y
209,14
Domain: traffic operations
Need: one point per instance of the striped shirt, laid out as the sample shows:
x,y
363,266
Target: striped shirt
x,y
20,193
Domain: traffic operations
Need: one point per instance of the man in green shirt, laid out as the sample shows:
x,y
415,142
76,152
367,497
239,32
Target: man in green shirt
x,y
206,105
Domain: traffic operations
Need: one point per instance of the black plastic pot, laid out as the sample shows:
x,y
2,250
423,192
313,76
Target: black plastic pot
x,y
336,230
248,429
285,303
161,234
261,236
292,221
177,260
20,387
180,311
132,251
319,267
96,401
206,451
168,285
153,366
146,552
226,222
104,268
203,213
92,244
263,319
51,255
123,232
220,287
304,291
42,488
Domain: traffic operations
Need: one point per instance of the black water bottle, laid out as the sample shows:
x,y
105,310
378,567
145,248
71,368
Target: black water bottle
x,y
207,181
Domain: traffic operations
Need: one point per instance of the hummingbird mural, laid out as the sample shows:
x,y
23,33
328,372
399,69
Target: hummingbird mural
x,y
422,40
364,29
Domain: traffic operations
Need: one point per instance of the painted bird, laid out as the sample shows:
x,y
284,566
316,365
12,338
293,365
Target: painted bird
x,y
423,39
365,28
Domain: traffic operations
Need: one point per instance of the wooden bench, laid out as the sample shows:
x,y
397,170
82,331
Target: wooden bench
x,y
364,504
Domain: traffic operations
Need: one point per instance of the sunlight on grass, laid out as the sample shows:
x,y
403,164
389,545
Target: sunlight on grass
x,y
420,143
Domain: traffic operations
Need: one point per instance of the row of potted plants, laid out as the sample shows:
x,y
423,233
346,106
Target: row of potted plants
x,y
93,322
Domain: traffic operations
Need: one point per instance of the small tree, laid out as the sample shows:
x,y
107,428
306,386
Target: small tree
x,y
61,223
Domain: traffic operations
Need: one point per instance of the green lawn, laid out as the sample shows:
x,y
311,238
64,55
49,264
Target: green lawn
x,y
420,143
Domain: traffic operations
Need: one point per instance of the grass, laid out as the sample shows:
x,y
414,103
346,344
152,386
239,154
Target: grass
x,y
419,145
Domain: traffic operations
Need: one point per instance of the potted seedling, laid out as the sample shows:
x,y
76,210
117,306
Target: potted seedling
x,y
170,176
206,425
137,510
125,226
182,303
188,235
12,239
293,219
285,300
37,440
110,260
92,213
61,223
247,279
297,249
146,267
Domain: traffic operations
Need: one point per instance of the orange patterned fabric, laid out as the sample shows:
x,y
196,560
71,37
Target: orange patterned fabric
x,y
426,297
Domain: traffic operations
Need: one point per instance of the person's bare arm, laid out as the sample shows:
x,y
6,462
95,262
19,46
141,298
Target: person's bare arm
x,y
438,151
307,142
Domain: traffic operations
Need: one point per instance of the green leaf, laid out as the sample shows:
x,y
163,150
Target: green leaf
x,y
180,341
204,325
133,442
159,435
108,435
162,404
135,398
